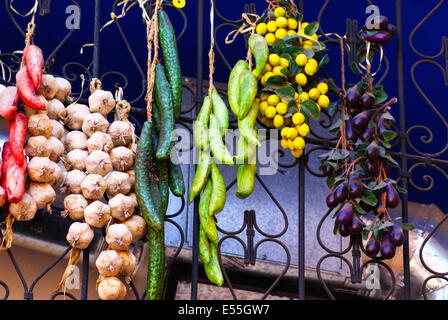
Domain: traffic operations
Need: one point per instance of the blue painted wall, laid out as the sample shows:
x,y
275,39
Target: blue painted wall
x,y
114,56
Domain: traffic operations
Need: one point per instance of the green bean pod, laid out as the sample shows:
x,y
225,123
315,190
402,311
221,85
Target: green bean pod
x,y
217,146
212,269
220,111
246,180
204,247
201,175
207,222
234,84
260,51
164,100
246,151
218,197
200,126
248,86
146,188
247,124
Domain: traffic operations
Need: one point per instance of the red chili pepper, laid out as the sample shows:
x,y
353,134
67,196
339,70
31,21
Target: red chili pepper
x,y
27,91
9,97
17,135
15,179
6,153
2,197
34,61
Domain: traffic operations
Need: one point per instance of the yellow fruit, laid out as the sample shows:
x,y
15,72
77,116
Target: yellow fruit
x,y
304,130
284,143
266,76
314,37
270,112
310,69
270,38
298,118
314,94
322,87
307,45
284,63
304,96
281,22
263,106
281,33
268,67
293,133
297,153
301,60
290,144
292,23
299,143
273,99
281,108
323,101
267,122
303,25
286,132
278,121
301,79
292,32
272,26
283,132
318,107
279,12
296,96
278,71
274,59
313,62
264,96
262,28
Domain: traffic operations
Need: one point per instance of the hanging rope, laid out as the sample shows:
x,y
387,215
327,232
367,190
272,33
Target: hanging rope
x,y
72,262
211,53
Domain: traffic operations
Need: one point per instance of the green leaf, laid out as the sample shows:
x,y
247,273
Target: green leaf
x,y
294,50
299,17
279,46
408,226
378,234
386,115
319,46
309,53
380,94
401,189
336,228
358,208
311,28
287,91
379,186
335,126
275,80
332,87
324,61
371,125
386,144
339,154
369,198
290,38
365,234
332,109
389,135
311,109
292,107
355,68
391,161
330,182
382,151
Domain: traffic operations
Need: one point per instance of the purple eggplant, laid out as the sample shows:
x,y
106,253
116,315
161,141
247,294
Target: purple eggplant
x,y
392,29
361,120
355,186
327,169
372,167
367,100
354,110
379,37
373,151
387,248
356,226
346,214
367,208
331,203
367,133
352,96
350,133
343,230
393,199
372,247
396,236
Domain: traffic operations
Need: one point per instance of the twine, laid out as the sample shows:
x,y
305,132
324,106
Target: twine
x,y
95,84
122,110
211,53
7,237
72,262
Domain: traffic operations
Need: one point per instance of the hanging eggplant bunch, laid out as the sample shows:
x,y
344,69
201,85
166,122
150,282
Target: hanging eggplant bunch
x,y
358,170
383,34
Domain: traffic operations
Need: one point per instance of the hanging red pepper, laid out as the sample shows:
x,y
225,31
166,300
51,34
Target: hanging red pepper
x,y
34,61
27,91
15,179
17,136
6,153
9,97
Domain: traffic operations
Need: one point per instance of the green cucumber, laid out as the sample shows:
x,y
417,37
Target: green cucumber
x,y
168,43
204,247
156,265
218,197
200,126
212,269
164,100
207,222
146,189
247,91
175,176
201,175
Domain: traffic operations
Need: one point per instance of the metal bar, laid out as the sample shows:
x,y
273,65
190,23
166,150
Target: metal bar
x,y
404,180
85,273
301,229
96,40
198,98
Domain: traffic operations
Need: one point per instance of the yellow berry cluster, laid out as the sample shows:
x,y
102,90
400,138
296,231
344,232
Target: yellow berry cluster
x,y
292,136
